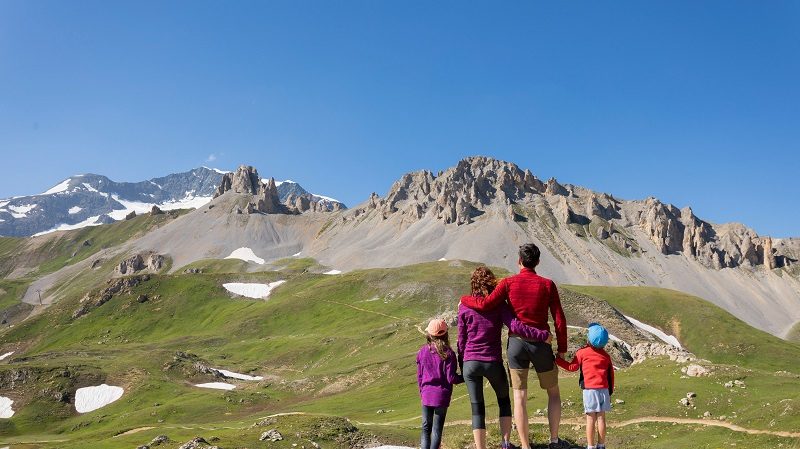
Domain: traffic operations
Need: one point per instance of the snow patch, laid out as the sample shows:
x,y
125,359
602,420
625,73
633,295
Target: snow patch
x,y
216,386
332,272
327,198
151,182
669,339
5,356
252,290
5,407
186,203
277,183
296,254
74,210
3,203
442,260
246,254
128,207
88,399
239,376
221,172
61,187
91,221
21,211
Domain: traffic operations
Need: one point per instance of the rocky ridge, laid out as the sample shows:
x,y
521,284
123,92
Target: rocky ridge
x,y
266,197
482,185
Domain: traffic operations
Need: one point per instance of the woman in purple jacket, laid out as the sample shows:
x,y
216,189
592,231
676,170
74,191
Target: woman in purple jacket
x,y
480,355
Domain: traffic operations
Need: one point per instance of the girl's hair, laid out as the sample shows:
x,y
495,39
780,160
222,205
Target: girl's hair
x,y
483,281
440,344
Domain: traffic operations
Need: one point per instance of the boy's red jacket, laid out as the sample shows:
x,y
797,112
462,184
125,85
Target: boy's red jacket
x,y
531,296
597,370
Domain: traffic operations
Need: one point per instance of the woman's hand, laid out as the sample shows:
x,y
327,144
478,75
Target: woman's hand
x,y
549,339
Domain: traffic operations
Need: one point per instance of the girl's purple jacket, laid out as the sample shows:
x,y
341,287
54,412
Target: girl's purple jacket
x,y
436,376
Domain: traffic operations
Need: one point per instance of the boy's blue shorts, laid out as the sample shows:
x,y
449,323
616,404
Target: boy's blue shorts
x,y
596,400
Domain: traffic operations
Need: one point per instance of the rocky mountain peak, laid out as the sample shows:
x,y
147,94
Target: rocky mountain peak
x,y
479,186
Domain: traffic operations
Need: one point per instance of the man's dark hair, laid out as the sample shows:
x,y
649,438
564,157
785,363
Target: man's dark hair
x,y
529,255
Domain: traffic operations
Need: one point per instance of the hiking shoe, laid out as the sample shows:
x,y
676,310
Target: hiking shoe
x,y
508,445
561,444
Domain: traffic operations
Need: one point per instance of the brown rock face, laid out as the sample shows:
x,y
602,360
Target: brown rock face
x,y
462,194
266,199
244,180
149,261
457,195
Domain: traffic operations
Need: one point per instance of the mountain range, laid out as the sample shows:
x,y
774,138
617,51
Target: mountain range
x,y
482,209
90,199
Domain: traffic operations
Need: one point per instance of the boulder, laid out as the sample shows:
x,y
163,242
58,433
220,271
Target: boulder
x,y
271,435
147,261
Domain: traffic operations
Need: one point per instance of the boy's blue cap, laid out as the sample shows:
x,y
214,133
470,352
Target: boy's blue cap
x,y
598,335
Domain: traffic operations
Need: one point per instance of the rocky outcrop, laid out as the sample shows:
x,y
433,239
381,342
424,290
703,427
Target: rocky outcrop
x,y
480,185
458,195
244,180
147,261
115,287
643,351
267,198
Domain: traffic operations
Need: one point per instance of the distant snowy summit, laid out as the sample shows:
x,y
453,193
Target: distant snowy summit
x,y
90,200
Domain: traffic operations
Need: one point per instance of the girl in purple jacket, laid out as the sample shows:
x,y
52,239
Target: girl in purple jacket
x,y
480,354
436,374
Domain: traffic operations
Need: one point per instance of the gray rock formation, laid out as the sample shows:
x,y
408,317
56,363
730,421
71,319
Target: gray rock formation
x,y
477,185
269,198
149,261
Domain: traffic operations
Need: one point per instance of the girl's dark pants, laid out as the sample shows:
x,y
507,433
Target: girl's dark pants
x,y
432,425
474,372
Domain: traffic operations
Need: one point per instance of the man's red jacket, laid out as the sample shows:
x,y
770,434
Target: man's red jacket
x,y
531,296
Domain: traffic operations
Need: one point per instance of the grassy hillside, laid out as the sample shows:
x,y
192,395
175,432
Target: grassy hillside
x,y
329,346
57,250
702,327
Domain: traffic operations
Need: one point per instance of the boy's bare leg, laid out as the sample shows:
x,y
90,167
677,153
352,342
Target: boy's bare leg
x,y
521,417
505,428
591,419
553,410
601,427
480,438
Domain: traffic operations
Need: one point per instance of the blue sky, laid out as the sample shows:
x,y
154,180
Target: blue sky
x,y
697,103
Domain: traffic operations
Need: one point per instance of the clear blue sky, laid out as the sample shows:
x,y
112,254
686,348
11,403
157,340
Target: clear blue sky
x,y
697,103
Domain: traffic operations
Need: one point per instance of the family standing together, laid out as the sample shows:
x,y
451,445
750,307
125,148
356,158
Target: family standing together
x,y
522,303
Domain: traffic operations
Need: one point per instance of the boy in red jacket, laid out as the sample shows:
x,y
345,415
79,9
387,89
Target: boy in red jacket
x,y
597,382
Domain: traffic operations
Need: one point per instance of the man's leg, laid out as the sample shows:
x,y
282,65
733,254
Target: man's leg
x,y
519,365
554,411
521,417
591,419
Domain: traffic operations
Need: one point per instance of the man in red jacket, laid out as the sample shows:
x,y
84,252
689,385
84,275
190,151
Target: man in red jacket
x,y
532,297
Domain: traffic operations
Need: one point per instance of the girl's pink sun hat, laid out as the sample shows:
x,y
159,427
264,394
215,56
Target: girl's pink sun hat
x,y
436,328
